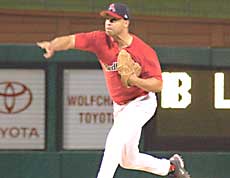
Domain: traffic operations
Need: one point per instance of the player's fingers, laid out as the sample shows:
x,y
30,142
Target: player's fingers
x,y
41,44
48,54
44,45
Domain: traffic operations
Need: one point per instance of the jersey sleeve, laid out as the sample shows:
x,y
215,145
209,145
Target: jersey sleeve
x,y
86,41
152,66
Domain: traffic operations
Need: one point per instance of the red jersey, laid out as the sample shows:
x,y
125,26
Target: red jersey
x,y
106,50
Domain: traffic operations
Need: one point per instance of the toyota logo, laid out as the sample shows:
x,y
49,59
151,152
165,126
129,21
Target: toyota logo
x,y
15,97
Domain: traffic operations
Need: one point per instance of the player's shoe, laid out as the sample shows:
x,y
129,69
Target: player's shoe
x,y
180,171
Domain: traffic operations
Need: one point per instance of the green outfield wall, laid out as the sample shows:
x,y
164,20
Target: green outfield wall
x,y
53,161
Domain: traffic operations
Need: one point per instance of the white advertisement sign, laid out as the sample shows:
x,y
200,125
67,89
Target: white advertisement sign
x,y
88,113
22,109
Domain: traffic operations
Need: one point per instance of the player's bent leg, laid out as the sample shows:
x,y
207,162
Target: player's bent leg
x,y
126,124
133,159
145,162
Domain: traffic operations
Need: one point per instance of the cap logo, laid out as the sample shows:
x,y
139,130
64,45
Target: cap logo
x,y
112,8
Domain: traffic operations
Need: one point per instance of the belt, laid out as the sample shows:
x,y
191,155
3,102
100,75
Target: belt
x,y
125,102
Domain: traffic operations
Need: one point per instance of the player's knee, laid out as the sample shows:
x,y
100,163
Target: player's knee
x,y
126,164
128,161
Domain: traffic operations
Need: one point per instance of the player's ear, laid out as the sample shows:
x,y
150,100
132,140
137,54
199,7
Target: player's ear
x,y
126,22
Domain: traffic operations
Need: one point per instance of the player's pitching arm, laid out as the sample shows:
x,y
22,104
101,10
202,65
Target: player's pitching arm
x,y
150,84
57,44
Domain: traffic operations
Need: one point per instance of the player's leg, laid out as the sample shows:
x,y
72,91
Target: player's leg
x,y
118,135
136,114
112,153
114,144
127,121
133,159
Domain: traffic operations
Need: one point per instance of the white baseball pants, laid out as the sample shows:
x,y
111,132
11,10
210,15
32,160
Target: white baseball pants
x,y
123,139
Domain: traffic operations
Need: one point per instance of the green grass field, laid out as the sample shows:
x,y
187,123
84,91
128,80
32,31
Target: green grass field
x,y
188,8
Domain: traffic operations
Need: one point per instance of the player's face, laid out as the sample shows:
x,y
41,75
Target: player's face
x,y
114,26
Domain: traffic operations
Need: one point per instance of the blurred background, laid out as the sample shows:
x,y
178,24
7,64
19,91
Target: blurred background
x,y
55,114
188,8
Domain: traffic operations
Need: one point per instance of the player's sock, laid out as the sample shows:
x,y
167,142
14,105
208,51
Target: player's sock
x,y
172,168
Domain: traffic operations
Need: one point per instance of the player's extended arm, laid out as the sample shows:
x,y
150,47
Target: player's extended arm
x,y
150,84
57,44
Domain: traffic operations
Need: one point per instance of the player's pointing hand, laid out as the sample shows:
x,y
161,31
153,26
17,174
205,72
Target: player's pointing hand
x,y
46,45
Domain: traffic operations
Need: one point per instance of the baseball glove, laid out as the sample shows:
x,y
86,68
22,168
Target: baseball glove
x,y
126,67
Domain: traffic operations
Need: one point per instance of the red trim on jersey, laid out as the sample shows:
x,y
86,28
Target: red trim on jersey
x,y
107,50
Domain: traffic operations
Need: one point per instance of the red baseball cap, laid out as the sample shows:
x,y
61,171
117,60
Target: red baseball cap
x,y
117,10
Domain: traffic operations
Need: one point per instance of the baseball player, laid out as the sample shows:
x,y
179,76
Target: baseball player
x,y
133,76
